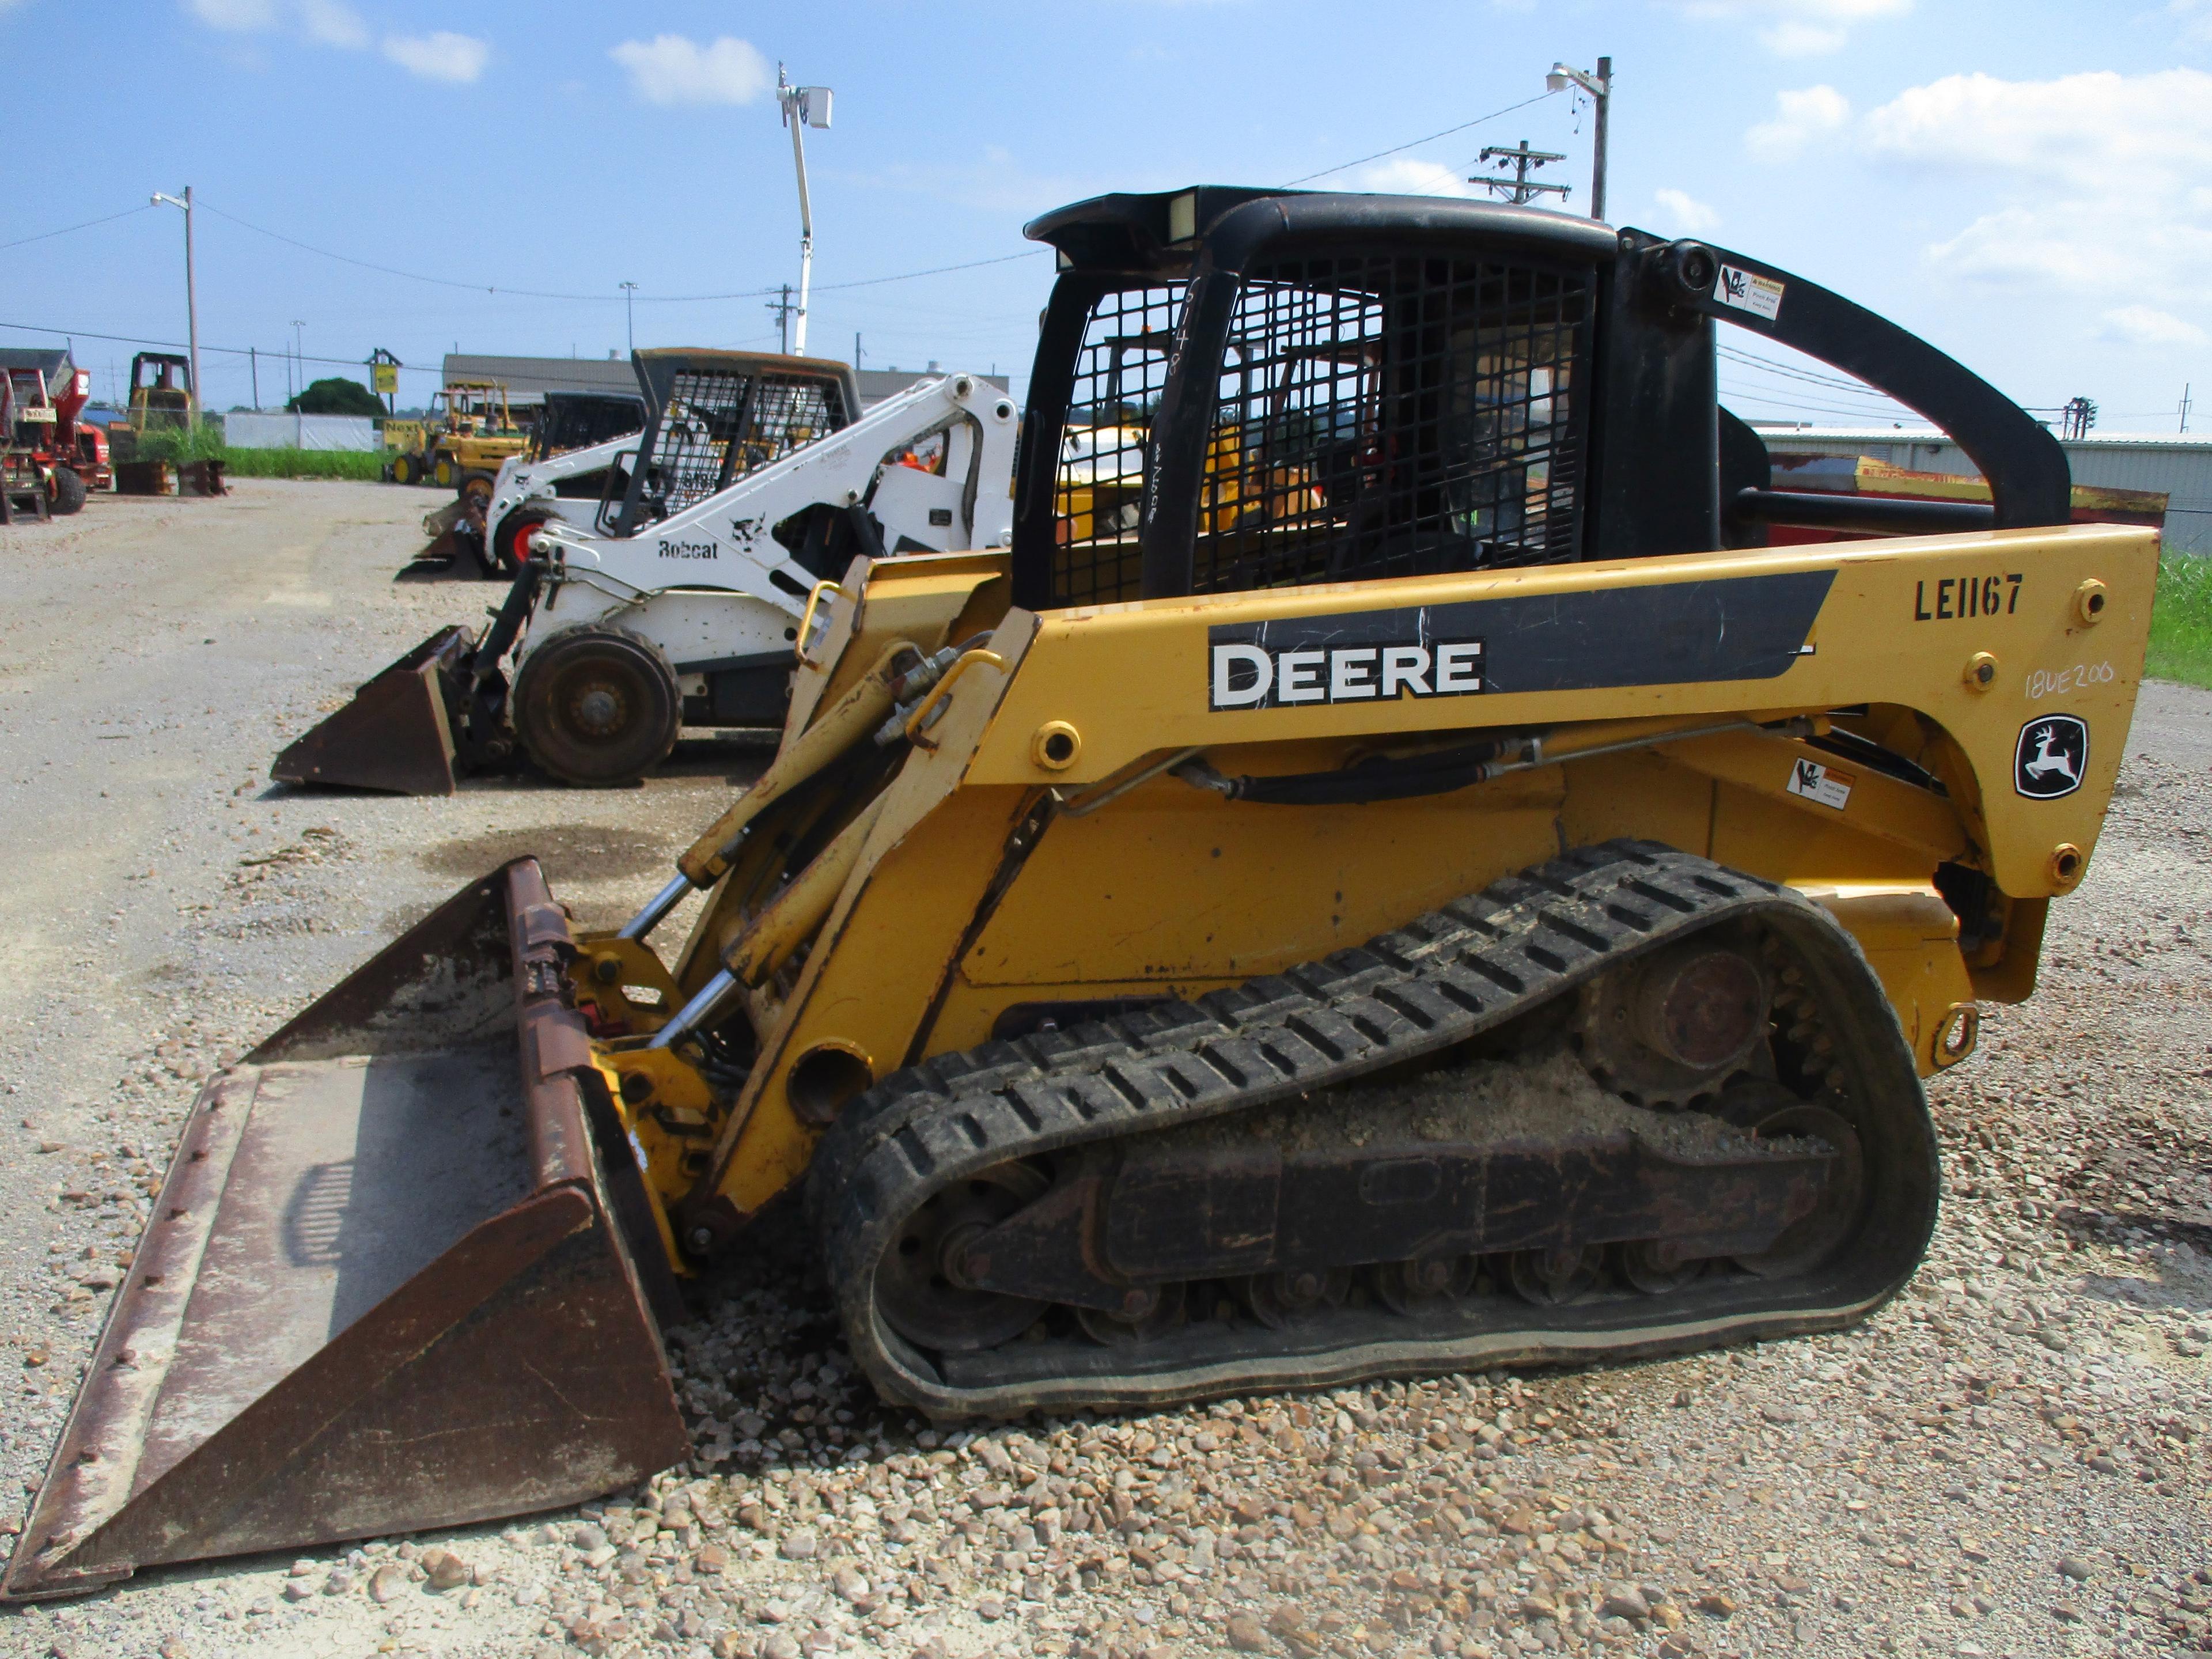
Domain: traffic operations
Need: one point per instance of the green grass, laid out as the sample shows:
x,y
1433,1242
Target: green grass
x,y
204,444
2181,621
364,465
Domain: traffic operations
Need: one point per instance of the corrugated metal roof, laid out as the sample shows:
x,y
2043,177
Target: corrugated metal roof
x,y
527,379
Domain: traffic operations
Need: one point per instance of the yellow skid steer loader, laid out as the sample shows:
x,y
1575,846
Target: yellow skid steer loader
x,y
1433,888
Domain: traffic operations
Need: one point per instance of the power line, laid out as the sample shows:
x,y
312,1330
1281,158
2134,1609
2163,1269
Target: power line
x,y
44,234
1833,381
1396,149
1883,408
227,351
602,298
1754,397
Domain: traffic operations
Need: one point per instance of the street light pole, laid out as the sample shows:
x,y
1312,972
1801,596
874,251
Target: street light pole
x,y
629,317
803,107
191,294
1600,88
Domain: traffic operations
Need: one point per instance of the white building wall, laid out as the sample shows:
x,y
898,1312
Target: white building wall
x,y
243,431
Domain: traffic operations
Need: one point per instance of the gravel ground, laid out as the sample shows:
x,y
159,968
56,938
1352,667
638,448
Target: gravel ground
x,y
2012,1459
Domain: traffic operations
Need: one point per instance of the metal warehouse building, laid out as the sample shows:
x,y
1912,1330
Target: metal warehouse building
x,y
527,379
2179,467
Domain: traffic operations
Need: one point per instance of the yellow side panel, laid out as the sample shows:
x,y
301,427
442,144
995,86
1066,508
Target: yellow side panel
x,y
1172,888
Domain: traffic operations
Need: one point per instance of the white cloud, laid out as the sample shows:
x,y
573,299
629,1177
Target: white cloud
x,y
240,16
2090,194
1799,28
1794,37
442,56
333,23
2097,131
1799,116
1683,214
2147,325
1405,176
673,69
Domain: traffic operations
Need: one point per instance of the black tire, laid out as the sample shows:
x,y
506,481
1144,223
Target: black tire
x,y
405,470
510,537
598,706
69,490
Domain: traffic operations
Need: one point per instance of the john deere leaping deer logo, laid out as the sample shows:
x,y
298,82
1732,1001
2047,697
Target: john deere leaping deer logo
x,y
2052,756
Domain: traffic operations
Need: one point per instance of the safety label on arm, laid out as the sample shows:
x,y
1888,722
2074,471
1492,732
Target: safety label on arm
x,y
1824,784
1747,290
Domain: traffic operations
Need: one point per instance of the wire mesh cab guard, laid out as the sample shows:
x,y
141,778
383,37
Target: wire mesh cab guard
x,y
715,416
1240,389
577,420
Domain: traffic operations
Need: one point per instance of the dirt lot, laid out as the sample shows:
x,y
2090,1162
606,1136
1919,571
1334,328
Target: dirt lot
x,y
2012,1459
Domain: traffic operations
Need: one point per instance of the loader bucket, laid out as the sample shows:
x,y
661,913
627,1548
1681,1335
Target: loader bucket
x,y
397,734
388,1284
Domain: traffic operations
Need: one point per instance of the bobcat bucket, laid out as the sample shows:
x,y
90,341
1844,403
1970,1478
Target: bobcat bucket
x,y
404,1273
396,735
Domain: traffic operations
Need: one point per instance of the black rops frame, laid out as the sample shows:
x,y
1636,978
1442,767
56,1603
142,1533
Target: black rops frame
x,y
1669,470
657,369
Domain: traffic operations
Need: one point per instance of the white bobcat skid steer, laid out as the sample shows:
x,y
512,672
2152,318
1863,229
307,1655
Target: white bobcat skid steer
x,y
694,621
689,617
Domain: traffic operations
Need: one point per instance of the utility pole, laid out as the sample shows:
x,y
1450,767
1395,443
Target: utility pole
x,y
1600,88
1520,189
781,310
2077,417
254,366
629,292
191,294
2185,406
856,351
299,356
803,107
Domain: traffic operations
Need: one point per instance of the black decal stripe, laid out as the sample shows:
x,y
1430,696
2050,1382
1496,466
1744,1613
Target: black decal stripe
x,y
1733,627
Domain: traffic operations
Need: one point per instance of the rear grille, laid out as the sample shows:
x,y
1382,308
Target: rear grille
x,y
1395,414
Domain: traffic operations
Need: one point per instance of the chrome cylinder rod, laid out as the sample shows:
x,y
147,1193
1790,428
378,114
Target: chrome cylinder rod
x,y
657,912
695,1012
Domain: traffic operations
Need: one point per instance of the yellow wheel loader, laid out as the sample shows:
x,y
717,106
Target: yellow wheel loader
x,y
1475,903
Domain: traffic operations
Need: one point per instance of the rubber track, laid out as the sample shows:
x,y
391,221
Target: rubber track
x,y
1442,978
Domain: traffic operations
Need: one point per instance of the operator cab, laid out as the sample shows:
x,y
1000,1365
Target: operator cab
x,y
1239,389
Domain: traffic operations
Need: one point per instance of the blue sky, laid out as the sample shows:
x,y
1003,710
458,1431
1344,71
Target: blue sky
x,y
2027,184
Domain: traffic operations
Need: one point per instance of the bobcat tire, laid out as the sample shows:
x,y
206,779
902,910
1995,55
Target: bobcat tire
x,y
509,541
68,491
598,706
405,470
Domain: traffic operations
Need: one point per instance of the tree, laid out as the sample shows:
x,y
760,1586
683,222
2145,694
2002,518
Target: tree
x,y
337,396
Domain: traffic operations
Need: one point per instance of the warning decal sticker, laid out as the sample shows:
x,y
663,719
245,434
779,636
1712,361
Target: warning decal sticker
x,y
1824,784
1747,290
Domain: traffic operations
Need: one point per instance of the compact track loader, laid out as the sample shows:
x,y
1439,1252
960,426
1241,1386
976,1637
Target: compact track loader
x,y
1435,890
681,602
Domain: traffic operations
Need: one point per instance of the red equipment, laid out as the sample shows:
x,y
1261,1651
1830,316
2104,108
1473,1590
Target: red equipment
x,y
45,394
